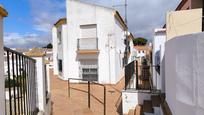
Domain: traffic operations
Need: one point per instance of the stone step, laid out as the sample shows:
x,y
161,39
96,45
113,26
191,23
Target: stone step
x,y
131,112
147,107
138,110
156,100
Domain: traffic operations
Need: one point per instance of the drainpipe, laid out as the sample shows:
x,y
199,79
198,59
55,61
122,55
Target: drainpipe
x,y
109,36
202,15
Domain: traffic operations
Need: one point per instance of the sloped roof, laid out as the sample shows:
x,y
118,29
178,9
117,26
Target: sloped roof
x,y
35,52
146,48
182,3
3,12
61,21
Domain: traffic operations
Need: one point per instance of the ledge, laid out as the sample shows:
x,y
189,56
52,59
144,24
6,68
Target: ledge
x,y
87,51
3,12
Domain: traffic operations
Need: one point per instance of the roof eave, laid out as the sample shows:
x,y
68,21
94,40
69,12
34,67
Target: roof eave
x,y
61,21
182,3
120,19
3,12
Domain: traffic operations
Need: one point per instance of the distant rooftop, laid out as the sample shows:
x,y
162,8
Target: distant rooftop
x,y
35,52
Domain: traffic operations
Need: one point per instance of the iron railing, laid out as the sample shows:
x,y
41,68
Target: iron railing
x,y
20,84
130,73
139,77
89,92
87,44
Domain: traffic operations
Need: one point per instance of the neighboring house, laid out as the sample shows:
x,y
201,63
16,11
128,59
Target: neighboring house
x,y
158,58
90,44
144,52
186,19
189,4
179,74
48,54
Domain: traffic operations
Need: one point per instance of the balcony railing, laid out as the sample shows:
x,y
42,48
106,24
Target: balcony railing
x,y
20,84
87,44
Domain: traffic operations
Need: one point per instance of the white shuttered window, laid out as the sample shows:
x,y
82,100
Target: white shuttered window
x,y
88,31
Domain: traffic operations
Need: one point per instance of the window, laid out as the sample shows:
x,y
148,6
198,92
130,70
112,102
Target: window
x,y
60,65
88,31
59,36
89,69
88,39
90,74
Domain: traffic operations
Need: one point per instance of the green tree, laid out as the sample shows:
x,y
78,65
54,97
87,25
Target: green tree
x,y
48,46
140,41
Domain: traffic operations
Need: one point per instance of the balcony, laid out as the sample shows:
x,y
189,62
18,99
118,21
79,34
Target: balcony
x,y
87,46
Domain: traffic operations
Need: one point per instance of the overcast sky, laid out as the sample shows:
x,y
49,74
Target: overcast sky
x,y
29,22
143,15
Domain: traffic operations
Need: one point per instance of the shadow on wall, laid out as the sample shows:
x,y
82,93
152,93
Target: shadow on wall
x,y
162,73
120,108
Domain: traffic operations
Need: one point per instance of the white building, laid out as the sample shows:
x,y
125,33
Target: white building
x,y
89,43
184,74
158,58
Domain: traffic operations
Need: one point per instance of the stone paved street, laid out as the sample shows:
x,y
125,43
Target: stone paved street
x,y
77,103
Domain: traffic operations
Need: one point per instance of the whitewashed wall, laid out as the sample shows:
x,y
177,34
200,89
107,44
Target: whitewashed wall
x,y
40,70
130,99
65,60
2,78
107,31
55,49
119,37
158,52
184,70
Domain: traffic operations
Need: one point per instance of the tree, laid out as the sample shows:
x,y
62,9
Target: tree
x,y
140,41
48,46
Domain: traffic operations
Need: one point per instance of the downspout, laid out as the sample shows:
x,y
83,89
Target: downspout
x,y
109,36
202,15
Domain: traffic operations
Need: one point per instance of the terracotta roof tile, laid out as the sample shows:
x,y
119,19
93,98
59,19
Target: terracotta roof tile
x,y
35,52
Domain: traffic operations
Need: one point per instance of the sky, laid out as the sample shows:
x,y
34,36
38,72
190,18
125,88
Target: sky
x,y
29,22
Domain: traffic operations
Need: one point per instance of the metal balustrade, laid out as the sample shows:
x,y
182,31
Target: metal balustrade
x,y
20,84
139,77
88,82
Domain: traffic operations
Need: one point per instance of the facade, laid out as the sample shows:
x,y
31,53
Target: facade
x,y
184,74
158,58
186,19
144,52
183,22
178,76
90,44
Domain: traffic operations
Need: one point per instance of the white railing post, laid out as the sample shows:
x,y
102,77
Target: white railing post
x,y
3,14
40,75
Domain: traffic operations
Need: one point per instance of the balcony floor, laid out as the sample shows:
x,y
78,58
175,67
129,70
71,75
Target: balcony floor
x,y
77,103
